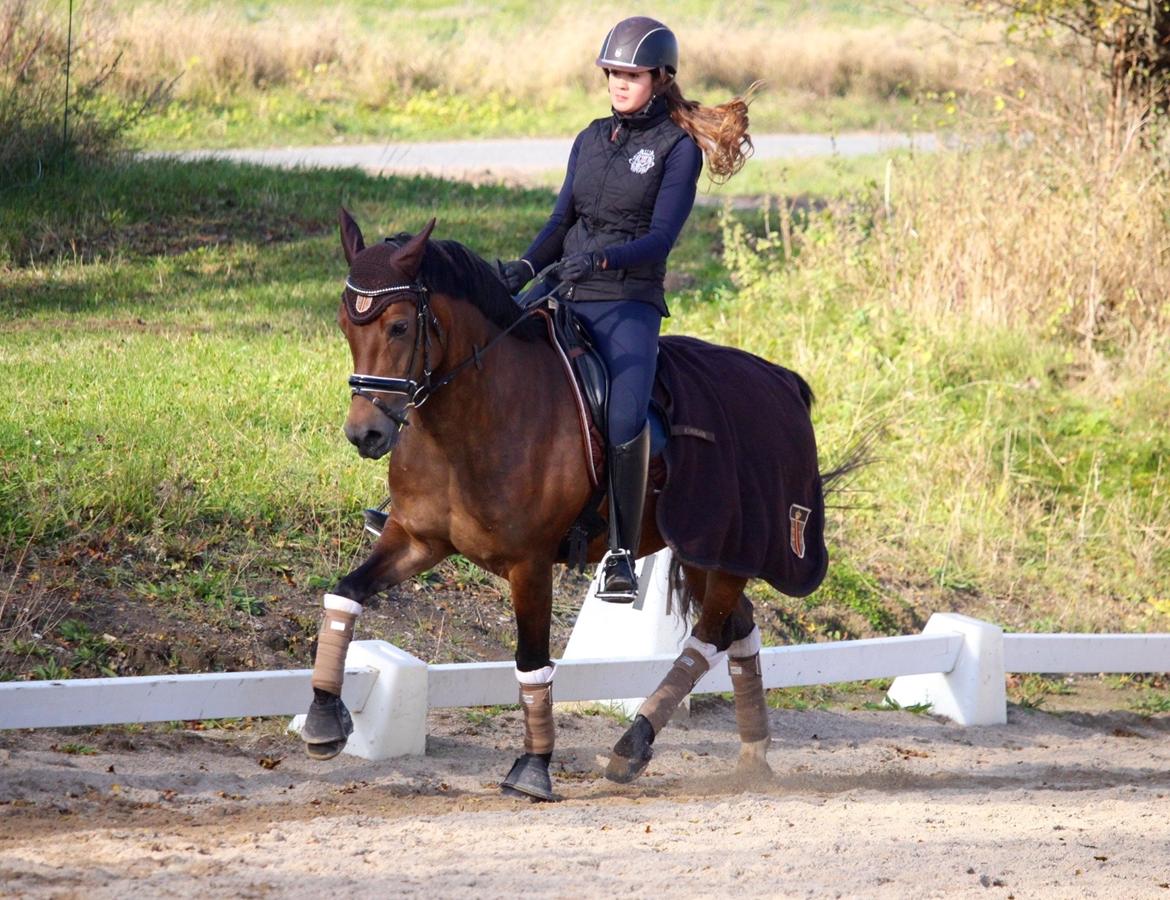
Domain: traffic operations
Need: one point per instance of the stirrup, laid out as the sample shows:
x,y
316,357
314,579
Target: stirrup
x,y
617,578
375,520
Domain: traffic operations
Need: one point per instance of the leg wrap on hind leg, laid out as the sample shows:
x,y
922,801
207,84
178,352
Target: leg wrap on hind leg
x,y
747,680
536,701
691,665
333,641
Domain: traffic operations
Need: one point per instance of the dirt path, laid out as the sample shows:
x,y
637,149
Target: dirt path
x,y
872,804
504,157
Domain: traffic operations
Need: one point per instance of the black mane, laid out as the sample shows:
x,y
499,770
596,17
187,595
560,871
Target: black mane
x,y
449,267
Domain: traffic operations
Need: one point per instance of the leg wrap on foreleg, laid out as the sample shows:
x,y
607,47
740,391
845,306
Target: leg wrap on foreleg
x,y
529,774
747,680
691,665
333,641
536,701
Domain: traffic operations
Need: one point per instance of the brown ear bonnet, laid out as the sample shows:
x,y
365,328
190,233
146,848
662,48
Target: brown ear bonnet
x,y
374,283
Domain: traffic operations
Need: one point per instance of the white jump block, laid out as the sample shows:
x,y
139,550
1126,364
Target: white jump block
x,y
646,627
393,720
973,692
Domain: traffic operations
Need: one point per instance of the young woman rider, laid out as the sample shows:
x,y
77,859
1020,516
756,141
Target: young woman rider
x,y
628,191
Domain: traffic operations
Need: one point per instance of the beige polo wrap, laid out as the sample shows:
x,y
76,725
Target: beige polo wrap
x,y
691,665
333,641
536,701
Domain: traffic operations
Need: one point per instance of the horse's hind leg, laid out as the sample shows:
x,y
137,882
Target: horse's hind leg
x,y
747,681
719,625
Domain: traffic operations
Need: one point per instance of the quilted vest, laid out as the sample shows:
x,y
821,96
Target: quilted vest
x,y
615,185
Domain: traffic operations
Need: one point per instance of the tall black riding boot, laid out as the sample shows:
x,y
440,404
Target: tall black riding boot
x,y
627,464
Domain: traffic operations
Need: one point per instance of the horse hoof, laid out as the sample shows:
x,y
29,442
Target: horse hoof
x,y
753,759
324,751
328,725
632,753
529,779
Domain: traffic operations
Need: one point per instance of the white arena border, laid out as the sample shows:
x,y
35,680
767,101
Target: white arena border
x,y
957,666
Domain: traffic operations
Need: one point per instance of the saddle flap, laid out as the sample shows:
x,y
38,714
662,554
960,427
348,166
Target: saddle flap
x,y
590,369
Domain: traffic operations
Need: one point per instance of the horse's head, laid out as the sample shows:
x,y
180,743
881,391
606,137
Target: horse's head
x,y
386,316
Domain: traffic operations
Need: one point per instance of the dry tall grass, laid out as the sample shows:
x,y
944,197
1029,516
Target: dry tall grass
x,y
1007,316
216,51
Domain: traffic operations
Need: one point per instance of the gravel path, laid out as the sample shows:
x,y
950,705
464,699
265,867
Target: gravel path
x,y
527,156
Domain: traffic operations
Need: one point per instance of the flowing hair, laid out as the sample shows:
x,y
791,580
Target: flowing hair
x,y
720,131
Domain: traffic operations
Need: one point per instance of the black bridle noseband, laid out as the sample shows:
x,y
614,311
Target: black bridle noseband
x,y
415,391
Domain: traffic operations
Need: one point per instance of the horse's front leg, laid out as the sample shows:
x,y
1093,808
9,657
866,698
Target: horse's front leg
x,y
531,584
396,556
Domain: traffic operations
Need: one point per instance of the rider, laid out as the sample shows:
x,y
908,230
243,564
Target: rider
x,y
628,191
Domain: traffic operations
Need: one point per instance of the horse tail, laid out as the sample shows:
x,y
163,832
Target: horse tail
x,y
679,598
859,454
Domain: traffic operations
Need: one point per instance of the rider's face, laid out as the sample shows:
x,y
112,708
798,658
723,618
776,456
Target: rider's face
x,y
630,91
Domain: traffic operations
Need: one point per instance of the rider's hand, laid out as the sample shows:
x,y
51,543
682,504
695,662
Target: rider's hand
x,y
580,266
516,274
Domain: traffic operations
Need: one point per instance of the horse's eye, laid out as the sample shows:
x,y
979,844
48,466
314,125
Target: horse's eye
x,y
399,328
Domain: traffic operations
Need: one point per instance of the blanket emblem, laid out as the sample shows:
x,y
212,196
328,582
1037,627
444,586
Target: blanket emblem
x,y
797,520
642,162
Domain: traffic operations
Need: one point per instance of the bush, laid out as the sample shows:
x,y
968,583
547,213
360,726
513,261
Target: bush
x,y
35,135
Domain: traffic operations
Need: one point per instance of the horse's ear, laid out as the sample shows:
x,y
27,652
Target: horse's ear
x,y
351,236
409,257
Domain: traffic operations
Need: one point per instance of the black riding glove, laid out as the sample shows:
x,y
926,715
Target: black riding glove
x,y
515,274
580,266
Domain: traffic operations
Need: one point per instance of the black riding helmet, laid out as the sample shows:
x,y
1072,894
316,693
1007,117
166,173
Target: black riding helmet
x,y
637,44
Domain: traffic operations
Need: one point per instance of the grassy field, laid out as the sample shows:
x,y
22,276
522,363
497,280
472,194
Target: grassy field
x,y
260,74
996,319
176,386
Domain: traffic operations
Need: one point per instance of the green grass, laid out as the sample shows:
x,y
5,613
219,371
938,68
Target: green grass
x,y
174,374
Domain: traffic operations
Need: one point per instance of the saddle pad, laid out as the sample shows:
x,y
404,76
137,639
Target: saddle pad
x,y
743,489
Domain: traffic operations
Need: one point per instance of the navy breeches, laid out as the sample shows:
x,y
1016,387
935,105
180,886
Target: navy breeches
x,y
625,333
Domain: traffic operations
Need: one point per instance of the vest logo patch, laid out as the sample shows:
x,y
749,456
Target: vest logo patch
x,y
797,520
642,162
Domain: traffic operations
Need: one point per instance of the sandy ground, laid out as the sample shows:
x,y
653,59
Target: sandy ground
x,y
862,803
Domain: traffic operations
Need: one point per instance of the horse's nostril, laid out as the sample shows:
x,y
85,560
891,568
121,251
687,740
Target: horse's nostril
x,y
373,439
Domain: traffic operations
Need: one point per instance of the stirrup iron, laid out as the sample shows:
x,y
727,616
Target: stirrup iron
x,y
617,579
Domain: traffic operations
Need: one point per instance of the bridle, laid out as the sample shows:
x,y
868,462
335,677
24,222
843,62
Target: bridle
x,y
415,391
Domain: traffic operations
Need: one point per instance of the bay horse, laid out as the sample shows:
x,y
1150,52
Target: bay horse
x,y
470,395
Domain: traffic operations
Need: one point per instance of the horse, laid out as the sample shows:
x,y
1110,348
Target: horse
x,y
470,395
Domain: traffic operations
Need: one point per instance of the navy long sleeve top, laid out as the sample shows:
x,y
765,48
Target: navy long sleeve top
x,y
676,197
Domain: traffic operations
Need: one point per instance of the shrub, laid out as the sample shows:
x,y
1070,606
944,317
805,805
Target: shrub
x,y
36,49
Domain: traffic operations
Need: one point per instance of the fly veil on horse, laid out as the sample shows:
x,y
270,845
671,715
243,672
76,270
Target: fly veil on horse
x,y
473,398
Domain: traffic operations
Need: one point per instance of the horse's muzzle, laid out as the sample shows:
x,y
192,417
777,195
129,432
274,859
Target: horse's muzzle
x,y
372,443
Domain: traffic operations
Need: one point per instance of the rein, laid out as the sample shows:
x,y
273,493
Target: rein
x,y
418,392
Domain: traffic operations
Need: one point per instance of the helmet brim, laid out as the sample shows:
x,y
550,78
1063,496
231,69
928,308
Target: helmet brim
x,y
603,63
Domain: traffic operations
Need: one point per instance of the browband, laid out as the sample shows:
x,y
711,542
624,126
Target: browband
x,y
364,305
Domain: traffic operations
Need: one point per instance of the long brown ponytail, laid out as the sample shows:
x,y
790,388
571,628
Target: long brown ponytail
x,y
720,131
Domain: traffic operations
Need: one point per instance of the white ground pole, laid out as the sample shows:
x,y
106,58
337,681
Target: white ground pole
x,y
646,627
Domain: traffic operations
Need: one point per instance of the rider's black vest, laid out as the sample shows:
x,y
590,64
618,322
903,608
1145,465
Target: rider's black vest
x,y
615,184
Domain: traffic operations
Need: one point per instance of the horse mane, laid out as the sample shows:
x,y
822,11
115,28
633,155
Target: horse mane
x,y
451,268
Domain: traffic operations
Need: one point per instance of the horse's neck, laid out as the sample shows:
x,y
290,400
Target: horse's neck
x,y
516,391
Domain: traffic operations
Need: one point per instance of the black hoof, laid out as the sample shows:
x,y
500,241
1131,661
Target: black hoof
x,y
529,779
632,753
324,751
327,726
